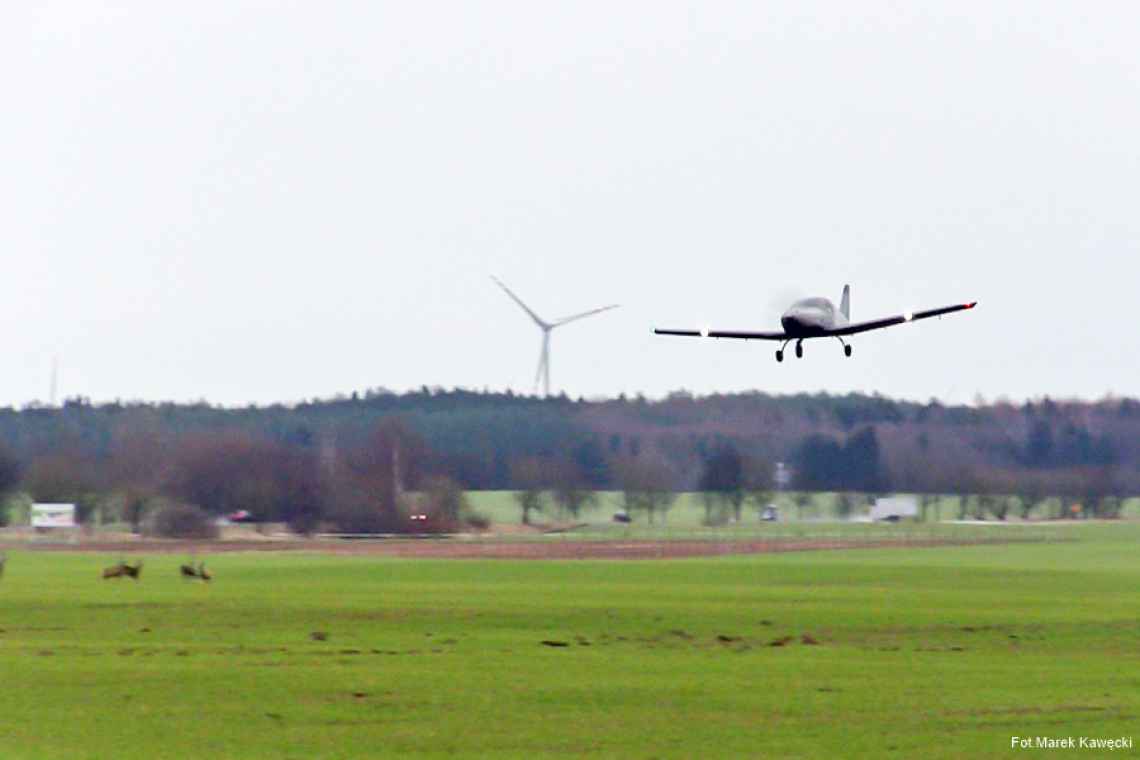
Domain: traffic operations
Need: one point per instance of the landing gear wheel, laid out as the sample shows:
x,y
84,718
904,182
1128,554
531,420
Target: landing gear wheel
x,y
780,355
799,350
847,350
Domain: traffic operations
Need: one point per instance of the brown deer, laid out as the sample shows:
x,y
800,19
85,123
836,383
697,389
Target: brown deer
x,y
115,571
187,570
133,572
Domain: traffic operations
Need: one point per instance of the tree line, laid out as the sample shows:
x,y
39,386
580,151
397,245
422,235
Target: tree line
x,y
354,460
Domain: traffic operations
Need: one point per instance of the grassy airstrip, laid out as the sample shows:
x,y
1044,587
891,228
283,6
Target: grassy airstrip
x,y
943,652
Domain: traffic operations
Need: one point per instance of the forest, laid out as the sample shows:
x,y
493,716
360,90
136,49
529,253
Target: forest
x,y
348,459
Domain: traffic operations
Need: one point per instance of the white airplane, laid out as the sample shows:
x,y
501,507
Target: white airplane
x,y
818,318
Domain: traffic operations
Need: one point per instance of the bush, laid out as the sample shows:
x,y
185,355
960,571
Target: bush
x,y
304,522
477,521
181,521
355,510
447,507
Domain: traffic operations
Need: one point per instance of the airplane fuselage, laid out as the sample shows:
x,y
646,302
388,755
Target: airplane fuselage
x,y
811,318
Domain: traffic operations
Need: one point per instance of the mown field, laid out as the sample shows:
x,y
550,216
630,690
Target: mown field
x,y
941,652
687,512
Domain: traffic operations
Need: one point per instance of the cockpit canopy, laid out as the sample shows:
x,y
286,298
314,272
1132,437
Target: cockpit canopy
x,y
815,303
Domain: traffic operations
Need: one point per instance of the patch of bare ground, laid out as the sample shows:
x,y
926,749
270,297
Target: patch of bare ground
x,y
450,548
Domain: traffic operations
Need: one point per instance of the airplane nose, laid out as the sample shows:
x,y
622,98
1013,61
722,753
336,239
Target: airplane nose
x,y
801,322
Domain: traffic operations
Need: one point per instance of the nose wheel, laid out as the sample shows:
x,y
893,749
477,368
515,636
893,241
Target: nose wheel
x,y
799,349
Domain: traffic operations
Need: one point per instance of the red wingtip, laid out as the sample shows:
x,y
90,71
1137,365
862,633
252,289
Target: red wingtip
x,y
971,304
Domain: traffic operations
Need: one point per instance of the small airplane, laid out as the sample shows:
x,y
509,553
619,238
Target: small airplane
x,y
818,318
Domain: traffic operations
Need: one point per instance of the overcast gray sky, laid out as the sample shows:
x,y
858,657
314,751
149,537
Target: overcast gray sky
x,y
254,201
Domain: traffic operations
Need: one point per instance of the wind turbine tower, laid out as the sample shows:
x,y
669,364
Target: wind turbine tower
x,y
543,372
52,391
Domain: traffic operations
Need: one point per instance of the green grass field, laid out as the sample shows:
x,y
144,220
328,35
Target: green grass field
x,y
688,510
922,652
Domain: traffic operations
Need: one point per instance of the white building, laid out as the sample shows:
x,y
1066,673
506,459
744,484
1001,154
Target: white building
x,y
49,516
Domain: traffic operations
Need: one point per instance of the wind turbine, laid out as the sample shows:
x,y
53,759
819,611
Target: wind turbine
x,y
543,372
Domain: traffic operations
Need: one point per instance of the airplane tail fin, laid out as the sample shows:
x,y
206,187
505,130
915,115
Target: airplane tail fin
x,y
845,304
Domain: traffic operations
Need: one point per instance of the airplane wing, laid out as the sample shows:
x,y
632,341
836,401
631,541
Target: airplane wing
x,y
898,319
743,335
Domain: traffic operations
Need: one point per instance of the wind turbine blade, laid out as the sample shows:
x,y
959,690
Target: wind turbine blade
x,y
584,314
516,299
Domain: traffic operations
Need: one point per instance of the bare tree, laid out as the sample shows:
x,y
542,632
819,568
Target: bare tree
x,y
759,483
572,493
1098,493
802,500
722,483
963,498
647,485
846,504
1031,491
445,503
235,471
140,463
530,477
135,505
997,487
363,480
925,502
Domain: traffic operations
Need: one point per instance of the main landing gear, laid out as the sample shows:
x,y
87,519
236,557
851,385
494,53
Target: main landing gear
x,y
780,350
800,348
